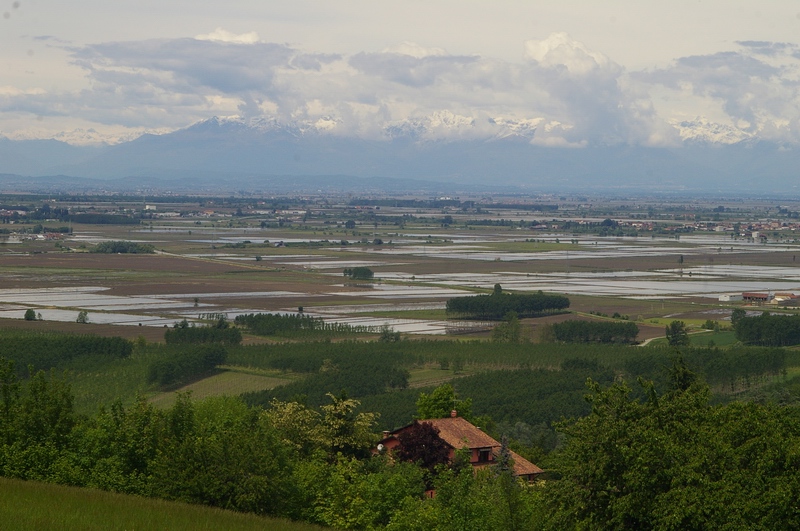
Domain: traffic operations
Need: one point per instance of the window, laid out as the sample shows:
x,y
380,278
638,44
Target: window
x,y
484,455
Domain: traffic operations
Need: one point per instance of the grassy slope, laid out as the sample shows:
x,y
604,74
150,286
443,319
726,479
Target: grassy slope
x,y
28,505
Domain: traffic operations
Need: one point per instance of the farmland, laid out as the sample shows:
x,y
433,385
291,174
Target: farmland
x,y
204,269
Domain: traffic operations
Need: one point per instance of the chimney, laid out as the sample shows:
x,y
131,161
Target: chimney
x,y
453,413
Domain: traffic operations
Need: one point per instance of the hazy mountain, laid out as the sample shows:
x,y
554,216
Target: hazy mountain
x,y
443,149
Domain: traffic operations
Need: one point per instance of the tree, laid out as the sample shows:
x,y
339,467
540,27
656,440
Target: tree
x,y
83,317
30,315
441,402
737,315
420,443
349,224
677,335
344,430
509,331
359,273
388,335
676,462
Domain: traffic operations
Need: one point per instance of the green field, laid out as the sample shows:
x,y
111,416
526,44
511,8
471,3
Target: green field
x,y
231,381
27,505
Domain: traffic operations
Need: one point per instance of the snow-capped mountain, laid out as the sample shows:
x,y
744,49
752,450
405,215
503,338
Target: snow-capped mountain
x,y
705,131
443,147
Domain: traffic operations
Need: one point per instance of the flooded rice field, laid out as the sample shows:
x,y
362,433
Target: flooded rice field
x,y
704,281
453,264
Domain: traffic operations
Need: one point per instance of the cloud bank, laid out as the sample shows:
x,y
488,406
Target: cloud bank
x,y
559,94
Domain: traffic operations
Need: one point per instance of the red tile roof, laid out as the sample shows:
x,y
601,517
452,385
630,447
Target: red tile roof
x,y
459,433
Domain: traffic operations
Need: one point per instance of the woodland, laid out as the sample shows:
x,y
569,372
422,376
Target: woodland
x,y
630,437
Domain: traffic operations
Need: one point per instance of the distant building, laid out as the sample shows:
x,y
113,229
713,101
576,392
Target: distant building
x,y
759,298
785,299
730,297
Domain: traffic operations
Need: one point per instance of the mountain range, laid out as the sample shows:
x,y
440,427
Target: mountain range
x,y
440,153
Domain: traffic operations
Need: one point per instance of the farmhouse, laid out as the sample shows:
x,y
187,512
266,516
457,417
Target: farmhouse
x,y
459,433
756,297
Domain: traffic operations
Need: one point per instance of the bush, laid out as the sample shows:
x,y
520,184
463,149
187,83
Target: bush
x,y
359,273
123,247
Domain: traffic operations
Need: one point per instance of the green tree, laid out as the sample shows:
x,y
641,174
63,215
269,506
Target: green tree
x,y
388,335
737,315
83,317
359,273
30,314
441,402
344,430
677,335
509,331
675,462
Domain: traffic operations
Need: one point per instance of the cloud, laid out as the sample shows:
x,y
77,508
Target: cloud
x,y
559,49
756,87
221,35
768,48
562,93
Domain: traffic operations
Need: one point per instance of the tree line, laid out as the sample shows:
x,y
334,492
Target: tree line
x,y
768,330
295,325
575,331
220,332
498,304
180,366
46,350
123,247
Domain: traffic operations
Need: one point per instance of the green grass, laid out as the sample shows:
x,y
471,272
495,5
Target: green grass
x,y
231,382
26,505
116,379
724,338
720,339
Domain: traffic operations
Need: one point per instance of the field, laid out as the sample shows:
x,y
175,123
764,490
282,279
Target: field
x,y
26,505
232,381
241,256
185,282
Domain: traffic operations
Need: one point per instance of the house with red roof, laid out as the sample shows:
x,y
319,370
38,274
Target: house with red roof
x,y
458,433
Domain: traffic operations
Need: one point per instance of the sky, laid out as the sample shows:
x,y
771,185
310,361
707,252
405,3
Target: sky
x,y
577,72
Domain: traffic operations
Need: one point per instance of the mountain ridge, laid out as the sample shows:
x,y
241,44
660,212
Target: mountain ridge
x,y
235,148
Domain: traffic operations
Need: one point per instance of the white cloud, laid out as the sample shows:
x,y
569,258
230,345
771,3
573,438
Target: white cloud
x,y
222,35
755,88
559,49
563,93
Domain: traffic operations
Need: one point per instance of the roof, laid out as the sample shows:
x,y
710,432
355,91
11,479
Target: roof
x,y
523,467
460,433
